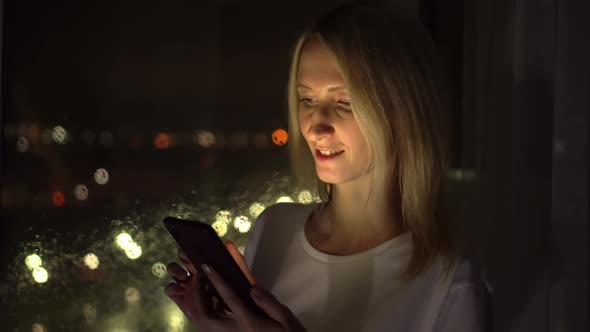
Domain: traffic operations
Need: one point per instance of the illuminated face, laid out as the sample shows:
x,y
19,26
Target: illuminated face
x,y
326,118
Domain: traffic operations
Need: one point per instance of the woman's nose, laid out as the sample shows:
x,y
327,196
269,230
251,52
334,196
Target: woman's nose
x,y
321,125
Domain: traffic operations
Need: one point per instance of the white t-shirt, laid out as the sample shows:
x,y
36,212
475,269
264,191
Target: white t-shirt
x,y
358,292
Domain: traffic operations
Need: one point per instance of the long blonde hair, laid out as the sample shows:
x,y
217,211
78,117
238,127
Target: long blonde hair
x,y
390,67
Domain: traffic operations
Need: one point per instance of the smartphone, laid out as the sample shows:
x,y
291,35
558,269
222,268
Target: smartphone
x,y
202,245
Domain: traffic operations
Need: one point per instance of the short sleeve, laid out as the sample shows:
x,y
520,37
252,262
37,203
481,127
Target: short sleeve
x,y
462,310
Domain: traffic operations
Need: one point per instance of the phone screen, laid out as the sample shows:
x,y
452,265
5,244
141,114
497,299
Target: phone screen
x,y
202,245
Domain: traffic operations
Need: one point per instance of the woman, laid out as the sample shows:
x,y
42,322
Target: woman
x,y
376,255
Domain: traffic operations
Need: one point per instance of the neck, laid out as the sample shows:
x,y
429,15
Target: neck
x,y
355,218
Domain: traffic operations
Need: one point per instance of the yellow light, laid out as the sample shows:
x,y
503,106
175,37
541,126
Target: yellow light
x,y
223,216
132,295
175,319
220,227
256,209
33,261
133,251
59,134
124,240
305,197
285,199
159,270
242,224
204,138
40,275
38,327
91,260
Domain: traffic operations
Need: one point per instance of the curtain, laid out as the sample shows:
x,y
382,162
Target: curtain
x,y
526,81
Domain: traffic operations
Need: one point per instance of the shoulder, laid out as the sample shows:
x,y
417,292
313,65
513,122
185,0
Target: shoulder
x,y
464,298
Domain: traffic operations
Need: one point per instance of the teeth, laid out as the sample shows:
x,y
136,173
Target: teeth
x,y
328,153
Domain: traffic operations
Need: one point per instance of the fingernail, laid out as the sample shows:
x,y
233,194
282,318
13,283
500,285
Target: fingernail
x,y
206,268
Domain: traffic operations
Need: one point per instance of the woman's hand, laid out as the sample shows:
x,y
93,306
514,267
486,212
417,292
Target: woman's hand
x,y
190,293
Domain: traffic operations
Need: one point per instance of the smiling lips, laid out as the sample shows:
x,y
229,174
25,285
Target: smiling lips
x,y
324,155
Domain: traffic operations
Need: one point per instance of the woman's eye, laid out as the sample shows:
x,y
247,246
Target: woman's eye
x,y
306,100
345,103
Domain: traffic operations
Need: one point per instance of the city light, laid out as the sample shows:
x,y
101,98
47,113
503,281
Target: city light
x,y
220,227
59,135
124,240
162,141
223,216
256,209
204,138
159,270
305,197
280,137
58,199
133,251
132,295
38,327
101,176
22,144
81,192
242,224
285,199
33,261
91,260
40,275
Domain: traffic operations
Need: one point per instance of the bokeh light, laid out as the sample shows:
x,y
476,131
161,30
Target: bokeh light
x,y
81,192
92,261
58,199
159,270
133,251
175,319
38,327
280,137
124,240
33,261
40,275
305,197
22,144
101,176
223,216
204,138
256,209
162,141
132,295
220,227
285,199
59,135
242,224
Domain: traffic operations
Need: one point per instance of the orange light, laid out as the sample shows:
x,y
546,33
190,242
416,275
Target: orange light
x,y
280,137
58,199
162,141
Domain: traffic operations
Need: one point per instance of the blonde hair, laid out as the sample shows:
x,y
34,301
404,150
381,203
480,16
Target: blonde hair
x,y
389,65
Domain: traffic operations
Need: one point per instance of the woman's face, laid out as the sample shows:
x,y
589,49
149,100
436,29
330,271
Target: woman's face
x,y
326,119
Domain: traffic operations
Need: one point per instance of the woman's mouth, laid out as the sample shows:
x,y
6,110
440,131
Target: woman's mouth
x,y
324,155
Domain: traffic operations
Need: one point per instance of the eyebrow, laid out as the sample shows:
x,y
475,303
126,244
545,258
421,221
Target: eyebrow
x,y
334,88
